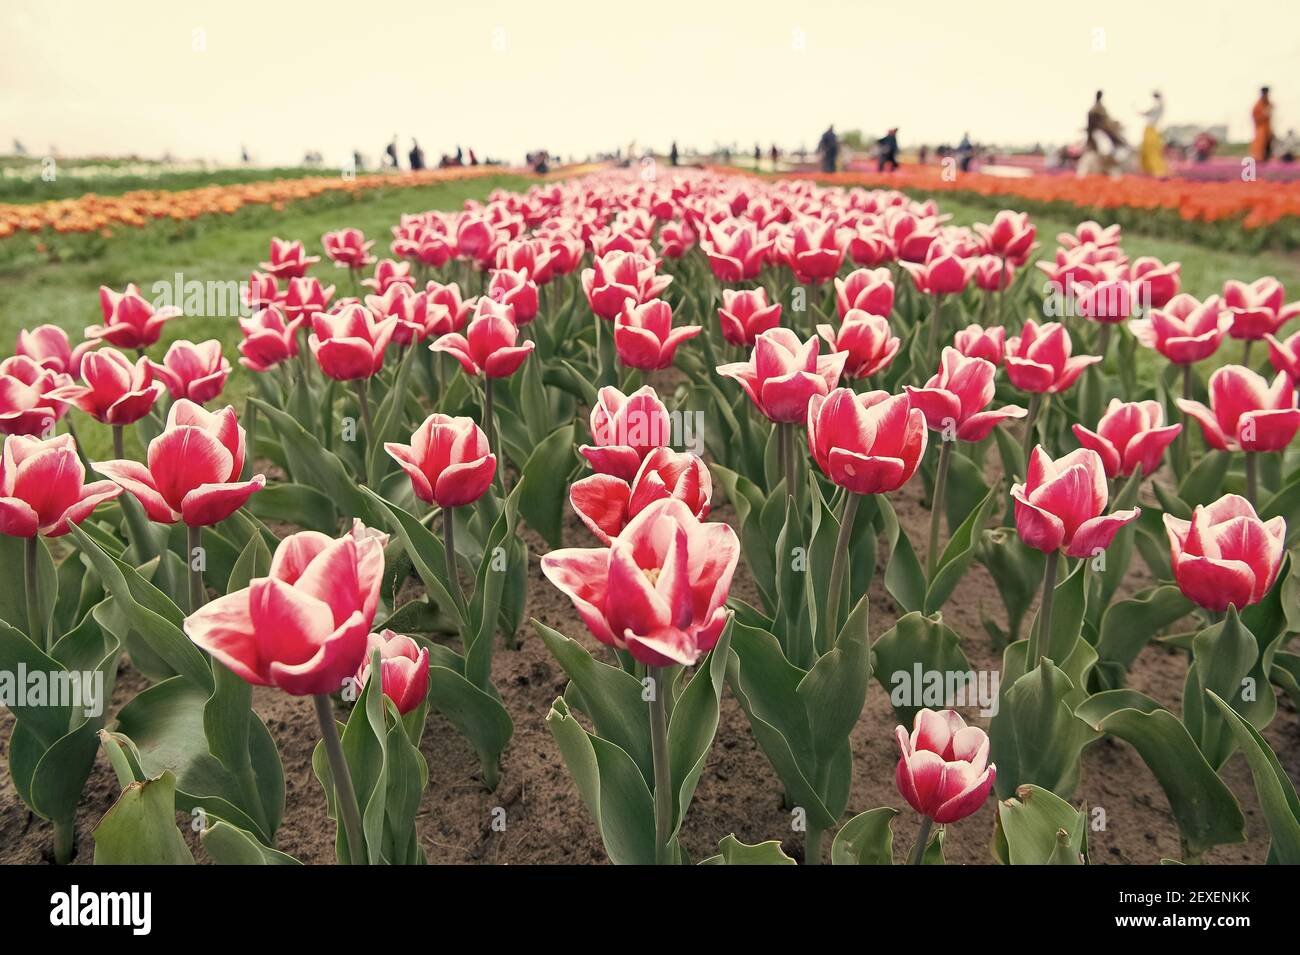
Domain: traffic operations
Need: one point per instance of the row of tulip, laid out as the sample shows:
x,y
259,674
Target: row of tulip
x,y
439,406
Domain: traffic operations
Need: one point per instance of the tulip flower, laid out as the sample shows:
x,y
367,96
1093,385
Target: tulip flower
x,y
448,461
261,291
26,403
870,247
475,239
735,252
1257,309
644,336
1091,233
618,276
625,429
348,248
488,346
410,309
911,235
349,344
434,249
305,297
403,669
1225,555
48,346
813,252
518,291
129,321
1010,237
1184,330
389,273
943,771
865,339
870,290
1247,414
289,260
457,313
606,503
676,239
530,255
1155,283
268,339
114,392
304,628
1039,361
783,374
974,341
944,272
745,315
1131,434
992,274
1285,356
197,372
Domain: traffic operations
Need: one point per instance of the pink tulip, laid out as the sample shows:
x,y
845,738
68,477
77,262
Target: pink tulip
x,y
303,628
349,344
27,405
1257,309
676,239
115,391
1285,356
403,669
944,771
735,253
992,274
197,372
987,343
518,291
1010,236
865,339
289,260
1062,504
783,374
870,247
458,309
955,400
129,321
1131,434
644,336
618,276
1155,283
261,291
1091,233
389,273
488,346
867,443
48,346
268,339
408,307
812,250
193,468
1109,301
625,429
606,503
659,590
1184,330
305,297
1246,413
1039,359
475,239
943,272
448,461
1225,555
745,315
43,489
870,290
348,248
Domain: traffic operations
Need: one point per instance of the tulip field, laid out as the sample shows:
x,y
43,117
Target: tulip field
x,y
685,518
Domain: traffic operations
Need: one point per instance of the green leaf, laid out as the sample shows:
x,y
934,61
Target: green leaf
x,y
547,473
296,504
918,648
904,578
959,553
479,716
230,845
866,839
1223,656
140,828
692,726
1028,826
1204,482
1129,625
734,852
426,553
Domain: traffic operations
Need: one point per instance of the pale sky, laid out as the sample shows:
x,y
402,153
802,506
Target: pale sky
x,y
505,76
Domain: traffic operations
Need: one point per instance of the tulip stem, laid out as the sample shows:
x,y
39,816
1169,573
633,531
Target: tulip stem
x,y
194,542
839,564
119,443
932,346
1041,635
936,506
35,625
1245,351
1002,277
922,839
363,400
1252,478
1103,343
65,840
1031,419
345,795
449,550
790,443
659,678
812,845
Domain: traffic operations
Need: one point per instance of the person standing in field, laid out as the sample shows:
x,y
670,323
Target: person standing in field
x,y
1153,145
1099,121
828,147
1262,115
887,151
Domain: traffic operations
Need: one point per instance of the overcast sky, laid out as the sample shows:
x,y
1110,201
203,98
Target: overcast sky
x,y
504,76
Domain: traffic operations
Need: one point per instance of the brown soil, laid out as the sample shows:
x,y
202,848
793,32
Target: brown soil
x,y
739,793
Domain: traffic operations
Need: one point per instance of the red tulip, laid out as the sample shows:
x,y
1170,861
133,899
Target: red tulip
x,y
659,590
197,372
1061,504
607,503
408,307
403,669
865,339
943,272
261,291
389,273
1130,434
644,336
870,247
289,260
1257,309
457,312
566,253
115,391
48,346
530,255
1225,555
348,248
783,374
992,274
735,252
1246,413
488,346
870,290
676,239
475,239
1184,330
618,276
1109,301
1010,236
911,235
1285,356
518,291
305,627
944,771
193,468
349,344
1091,233
129,321
26,403
305,297
745,315
1156,283
1039,360
867,443
268,339
448,461
625,429
954,400
976,342
43,489
812,250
